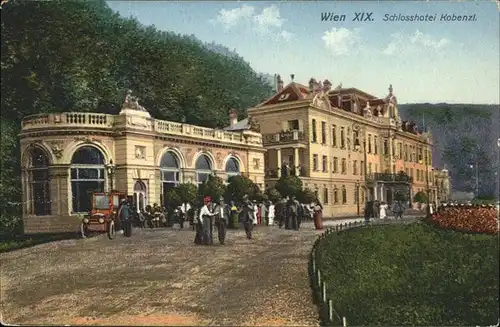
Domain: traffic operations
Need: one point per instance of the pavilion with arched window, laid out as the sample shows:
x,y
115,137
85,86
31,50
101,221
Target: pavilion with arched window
x,y
203,168
87,176
39,202
232,167
170,171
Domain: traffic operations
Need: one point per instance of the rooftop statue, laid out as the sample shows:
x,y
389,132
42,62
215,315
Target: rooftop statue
x,y
132,102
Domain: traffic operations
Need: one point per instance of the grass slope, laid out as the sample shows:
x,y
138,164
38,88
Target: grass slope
x,y
411,275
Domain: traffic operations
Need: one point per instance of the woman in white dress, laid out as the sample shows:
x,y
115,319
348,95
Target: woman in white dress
x,y
383,210
255,210
270,213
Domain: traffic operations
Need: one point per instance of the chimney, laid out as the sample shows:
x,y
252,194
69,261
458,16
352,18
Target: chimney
x,y
279,83
233,117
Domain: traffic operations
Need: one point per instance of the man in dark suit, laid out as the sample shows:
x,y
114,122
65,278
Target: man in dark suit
x,y
247,211
222,212
124,215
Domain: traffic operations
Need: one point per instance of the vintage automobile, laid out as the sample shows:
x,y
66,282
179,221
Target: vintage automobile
x,y
103,215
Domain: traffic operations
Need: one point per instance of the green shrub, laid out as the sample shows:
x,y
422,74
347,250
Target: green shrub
x,y
411,275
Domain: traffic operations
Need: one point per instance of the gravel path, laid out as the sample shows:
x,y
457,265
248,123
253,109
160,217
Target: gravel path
x,y
159,277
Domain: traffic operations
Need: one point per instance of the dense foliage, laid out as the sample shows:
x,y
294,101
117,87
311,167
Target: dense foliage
x,y
289,186
420,197
214,188
81,56
464,135
467,218
415,274
239,186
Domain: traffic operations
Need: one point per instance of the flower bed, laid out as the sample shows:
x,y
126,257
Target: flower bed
x,y
470,219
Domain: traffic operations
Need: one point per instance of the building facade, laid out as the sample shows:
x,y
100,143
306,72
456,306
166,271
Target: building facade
x,y
345,144
67,156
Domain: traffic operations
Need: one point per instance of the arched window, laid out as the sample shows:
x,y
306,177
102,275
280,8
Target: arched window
x,y
232,167
87,177
39,181
140,192
170,171
203,168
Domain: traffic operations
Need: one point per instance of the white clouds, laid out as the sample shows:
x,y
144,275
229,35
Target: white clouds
x,y
268,21
417,41
269,18
340,40
230,18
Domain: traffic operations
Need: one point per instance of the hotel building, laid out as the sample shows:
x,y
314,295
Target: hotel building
x,y
346,145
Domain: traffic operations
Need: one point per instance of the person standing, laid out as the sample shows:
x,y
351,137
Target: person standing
x,y
124,215
398,209
234,213
318,215
206,221
292,214
223,212
255,213
264,213
185,207
383,210
270,213
376,209
280,212
368,210
248,213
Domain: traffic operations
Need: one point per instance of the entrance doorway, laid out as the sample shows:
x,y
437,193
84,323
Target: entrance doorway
x,y
140,196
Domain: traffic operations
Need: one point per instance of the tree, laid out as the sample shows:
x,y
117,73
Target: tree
x,y
272,195
307,196
289,186
239,186
172,198
214,187
420,197
187,192
91,73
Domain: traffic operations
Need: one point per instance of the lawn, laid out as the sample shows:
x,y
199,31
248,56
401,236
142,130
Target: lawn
x,y
412,274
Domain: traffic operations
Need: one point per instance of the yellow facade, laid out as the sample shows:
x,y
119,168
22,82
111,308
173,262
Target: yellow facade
x,y
342,154
133,145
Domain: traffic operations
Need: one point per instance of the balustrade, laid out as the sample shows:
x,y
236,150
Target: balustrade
x,y
81,119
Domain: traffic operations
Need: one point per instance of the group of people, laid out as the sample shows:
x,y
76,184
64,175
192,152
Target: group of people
x,y
380,210
287,212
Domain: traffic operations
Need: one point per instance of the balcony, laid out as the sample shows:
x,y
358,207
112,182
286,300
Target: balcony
x,y
284,137
273,173
393,178
85,120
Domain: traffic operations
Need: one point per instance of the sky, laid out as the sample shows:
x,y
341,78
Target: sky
x,y
426,61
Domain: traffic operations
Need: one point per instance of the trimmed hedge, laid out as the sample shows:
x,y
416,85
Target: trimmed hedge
x,y
412,274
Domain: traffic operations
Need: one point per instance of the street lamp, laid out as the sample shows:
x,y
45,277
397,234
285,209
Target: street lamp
x,y
357,195
476,165
427,209
110,168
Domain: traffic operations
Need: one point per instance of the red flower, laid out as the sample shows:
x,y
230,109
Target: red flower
x,y
467,219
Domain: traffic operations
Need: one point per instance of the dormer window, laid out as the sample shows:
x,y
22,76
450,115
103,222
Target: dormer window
x,y
284,96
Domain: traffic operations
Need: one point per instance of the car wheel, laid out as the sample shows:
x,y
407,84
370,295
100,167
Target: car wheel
x,y
84,230
111,230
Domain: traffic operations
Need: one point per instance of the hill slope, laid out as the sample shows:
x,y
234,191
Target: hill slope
x,y
82,56
462,134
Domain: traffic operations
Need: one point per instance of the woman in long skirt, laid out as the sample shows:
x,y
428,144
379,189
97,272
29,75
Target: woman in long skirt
x,y
318,215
